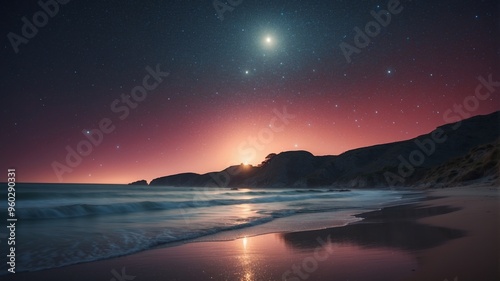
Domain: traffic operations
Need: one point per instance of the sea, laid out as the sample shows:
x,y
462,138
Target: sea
x,y
59,225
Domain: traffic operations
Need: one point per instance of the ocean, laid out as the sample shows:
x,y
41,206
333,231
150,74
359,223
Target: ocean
x,y
61,225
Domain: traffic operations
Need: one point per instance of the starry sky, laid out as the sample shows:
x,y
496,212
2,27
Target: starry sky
x,y
228,83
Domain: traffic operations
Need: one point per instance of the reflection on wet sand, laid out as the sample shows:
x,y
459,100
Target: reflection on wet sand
x,y
246,262
381,247
389,228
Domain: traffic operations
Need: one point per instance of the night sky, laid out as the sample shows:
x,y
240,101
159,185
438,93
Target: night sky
x,y
269,76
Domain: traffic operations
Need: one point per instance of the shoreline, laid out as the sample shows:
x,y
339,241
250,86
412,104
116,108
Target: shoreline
x,y
416,233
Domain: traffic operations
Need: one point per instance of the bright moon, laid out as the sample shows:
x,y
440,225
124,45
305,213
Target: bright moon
x,y
268,41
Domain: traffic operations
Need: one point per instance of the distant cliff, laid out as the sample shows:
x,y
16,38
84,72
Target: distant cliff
x,y
141,182
418,161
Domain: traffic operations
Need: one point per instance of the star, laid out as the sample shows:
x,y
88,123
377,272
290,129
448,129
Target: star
x,y
269,41
288,61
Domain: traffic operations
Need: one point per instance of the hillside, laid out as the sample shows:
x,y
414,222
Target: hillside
x,y
425,160
481,163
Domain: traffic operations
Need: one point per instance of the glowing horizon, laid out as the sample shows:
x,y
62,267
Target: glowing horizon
x,y
192,94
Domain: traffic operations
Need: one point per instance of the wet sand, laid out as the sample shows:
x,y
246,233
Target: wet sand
x,y
475,256
453,233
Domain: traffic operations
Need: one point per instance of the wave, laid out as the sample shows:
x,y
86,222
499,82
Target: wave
x,y
135,233
83,210
129,242
268,192
92,194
